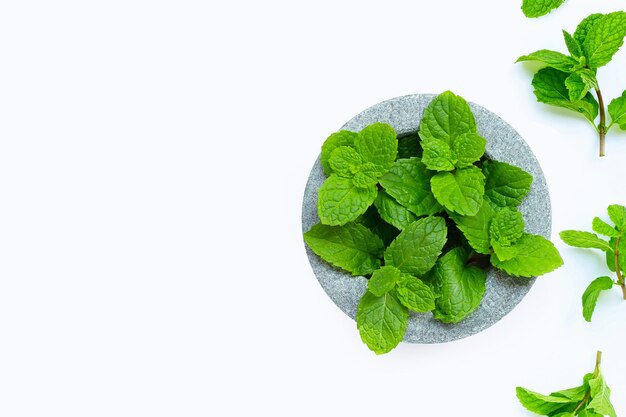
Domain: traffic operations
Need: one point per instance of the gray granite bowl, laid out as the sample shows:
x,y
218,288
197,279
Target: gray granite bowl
x,y
503,292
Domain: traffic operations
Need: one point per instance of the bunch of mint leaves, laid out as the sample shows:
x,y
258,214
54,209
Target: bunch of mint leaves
x,y
567,81
614,248
422,217
537,8
591,399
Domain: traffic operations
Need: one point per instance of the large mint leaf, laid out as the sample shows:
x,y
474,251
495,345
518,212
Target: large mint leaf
x,y
377,144
579,83
550,89
415,295
617,110
460,288
393,212
604,38
337,139
591,294
581,239
417,247
534,255
573,46
537,8
345,161
460,192
600,397
583,27
437,155
506,185
539,403
447,117
408,182
476,228
552,59
467,149
383,280
381,321
339,201
352,247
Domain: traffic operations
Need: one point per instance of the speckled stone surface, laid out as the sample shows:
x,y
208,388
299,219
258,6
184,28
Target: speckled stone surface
x,y
503,293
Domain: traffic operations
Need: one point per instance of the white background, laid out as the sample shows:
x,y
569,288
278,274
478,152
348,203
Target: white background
x,y
153,158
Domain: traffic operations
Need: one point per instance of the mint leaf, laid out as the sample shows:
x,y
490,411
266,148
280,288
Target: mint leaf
x,y
537,8
417,247
415,295
340,201
583,27
345,161
617,213
383,280
587,413
437,155
603,228
573,46
352,247
506,185
550,89
392,212
539,403
460,288
600,397
378,145
337,139
506,227
460,192
447,117
617,110
573,394
534,255
604,38
408,182
590,297
552,59
584,240
381,321
476,228
467,149
579,83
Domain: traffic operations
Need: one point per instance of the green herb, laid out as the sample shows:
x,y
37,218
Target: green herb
x,y
422,217
570,81
537,8
591,399
613,245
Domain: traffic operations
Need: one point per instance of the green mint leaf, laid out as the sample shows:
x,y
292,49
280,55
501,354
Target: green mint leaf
x,y
447,117
340,201
372,220
383,280
621,255
579,83
550,89
393,212
600,397
467,149
337,139
534,256
437,155
586,413
617,110
537,8
617,214
461,288
539,403
506,227
503,252
506,185
460,192
604,38
417,247
352,247
408,182
345,161
476,228
581,239
409,146
590,297
378,145
552,59
381,321
573,46
573,394
415,295
365,180
583,27
601,227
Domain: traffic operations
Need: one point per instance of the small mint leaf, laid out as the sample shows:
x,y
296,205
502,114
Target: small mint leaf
x,y
579,83
539,403
604,38
617,214
415,295
601,227
467,149
345,161
591,294
600,396
573,46
506,185
534,256
447,117
537,8
581,239
378,145
340,201
460,192
617,110
383,280
506,227
335,140
552,59
437,155
381,321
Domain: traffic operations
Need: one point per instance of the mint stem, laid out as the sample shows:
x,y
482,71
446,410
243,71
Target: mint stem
x,y
602,125
620,277
598,360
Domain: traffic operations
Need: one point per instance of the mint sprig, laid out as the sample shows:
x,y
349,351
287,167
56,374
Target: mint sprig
x,y
592,398
613,244
422,218
570,81
537,8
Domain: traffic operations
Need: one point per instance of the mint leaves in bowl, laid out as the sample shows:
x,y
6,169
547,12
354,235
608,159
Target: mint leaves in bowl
x,y
411,220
